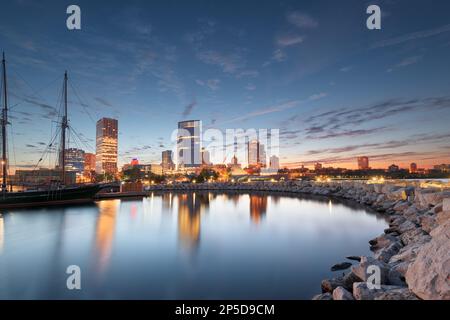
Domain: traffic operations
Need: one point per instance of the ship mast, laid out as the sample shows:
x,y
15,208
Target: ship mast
x,y
64,126
4,124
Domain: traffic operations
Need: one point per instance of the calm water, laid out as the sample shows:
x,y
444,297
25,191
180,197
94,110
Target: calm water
x,y
181,246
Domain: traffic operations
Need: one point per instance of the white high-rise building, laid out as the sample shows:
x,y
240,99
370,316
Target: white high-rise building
x,y
189,144
262,156
253,153
274,163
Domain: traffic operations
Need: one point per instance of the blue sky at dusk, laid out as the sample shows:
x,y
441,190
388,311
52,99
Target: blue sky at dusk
x,y
312,69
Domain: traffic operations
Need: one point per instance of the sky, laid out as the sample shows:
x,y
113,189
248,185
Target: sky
x,y
312,69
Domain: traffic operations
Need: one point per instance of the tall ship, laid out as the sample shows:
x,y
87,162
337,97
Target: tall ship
x,y
58,192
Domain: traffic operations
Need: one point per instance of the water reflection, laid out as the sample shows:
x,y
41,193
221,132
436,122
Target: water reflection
x,y
190,207
182,246
104,233
167,201
258,207
2,234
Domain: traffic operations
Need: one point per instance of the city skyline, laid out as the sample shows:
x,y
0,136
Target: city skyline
x,y
334,89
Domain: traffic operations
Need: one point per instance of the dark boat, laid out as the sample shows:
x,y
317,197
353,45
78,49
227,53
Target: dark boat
x,y
57,194
61,196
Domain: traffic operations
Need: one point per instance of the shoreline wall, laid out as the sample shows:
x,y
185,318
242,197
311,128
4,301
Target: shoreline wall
x,y
413,254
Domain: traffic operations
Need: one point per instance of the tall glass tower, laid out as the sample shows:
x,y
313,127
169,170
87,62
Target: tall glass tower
x,y
189,144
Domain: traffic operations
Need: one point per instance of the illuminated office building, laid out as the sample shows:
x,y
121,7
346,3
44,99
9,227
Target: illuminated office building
x,y
106,146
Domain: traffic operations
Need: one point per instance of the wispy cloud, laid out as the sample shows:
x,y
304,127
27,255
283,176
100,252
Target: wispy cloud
x,y
412,36
346,69
188,109
317,96
347,133
250,87
289,40
279,55
212,84
229,63
352,116
103,101
301,20
406,62
277,108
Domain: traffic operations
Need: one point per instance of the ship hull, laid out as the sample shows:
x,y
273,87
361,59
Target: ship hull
x,y
64,196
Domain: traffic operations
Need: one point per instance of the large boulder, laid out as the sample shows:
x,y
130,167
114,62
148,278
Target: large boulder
x,y
397,294
401,206
427,223
442,217
397,194
386,253
412,236
362,292
400,268
382,241
360,270
349,279
341,293
428,276
328,285
405,226
409,252
427,198
446,204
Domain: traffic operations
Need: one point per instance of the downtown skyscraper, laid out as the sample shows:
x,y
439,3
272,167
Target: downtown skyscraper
x,y
189,144
106,146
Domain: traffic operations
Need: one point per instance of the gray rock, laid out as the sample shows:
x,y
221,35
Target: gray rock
x,y
341,266
400,267
349,279
362,292
405,226
361,270
354,258
412,236
409,252
412,210
397,294
386,253
328,285
428,223
428,198
323,296
446,204
396,278
428,276
382,241
436,209
442,217
341,293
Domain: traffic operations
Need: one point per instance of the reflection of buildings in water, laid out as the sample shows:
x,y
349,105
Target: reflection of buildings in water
x,y
2,234
190,206
275,199
104,232
167,201
233,198
211,197
330,206
258,207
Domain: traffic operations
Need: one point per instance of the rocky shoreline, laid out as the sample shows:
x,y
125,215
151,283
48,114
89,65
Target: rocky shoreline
x,y
413,254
